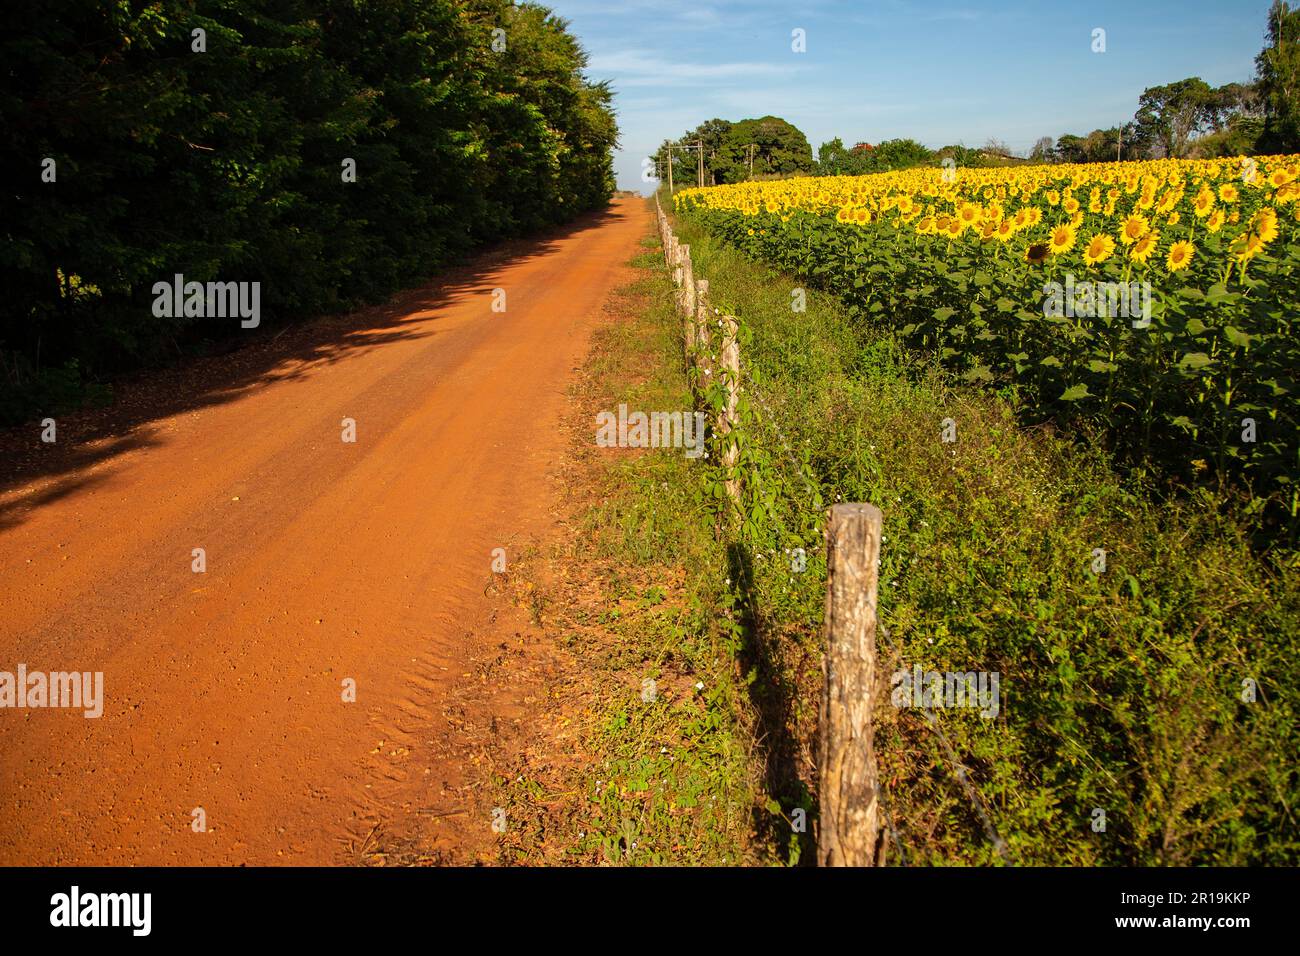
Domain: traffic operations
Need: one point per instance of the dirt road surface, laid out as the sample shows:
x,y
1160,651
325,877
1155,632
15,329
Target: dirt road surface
x,y
325,561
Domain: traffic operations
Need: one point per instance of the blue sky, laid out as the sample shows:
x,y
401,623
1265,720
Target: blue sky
x,y
935,71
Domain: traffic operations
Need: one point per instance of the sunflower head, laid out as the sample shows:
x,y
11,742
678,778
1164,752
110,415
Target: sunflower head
x,y
1246,247
1036,254
1134,228
1145,247
1265,224
1099,249
1061,239
1180,256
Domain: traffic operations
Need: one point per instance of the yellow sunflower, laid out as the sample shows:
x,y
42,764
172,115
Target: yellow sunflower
x,y
1246,247
1134,228
1265,224
1036,253
1180,256
1144,247
1203,204
1099,249
1061,239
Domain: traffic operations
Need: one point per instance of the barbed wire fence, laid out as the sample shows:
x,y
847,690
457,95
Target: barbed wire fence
x,y
849,826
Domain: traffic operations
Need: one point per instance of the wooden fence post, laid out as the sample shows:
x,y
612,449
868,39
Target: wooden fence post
x,y
688,285
848,821
696,324
729,359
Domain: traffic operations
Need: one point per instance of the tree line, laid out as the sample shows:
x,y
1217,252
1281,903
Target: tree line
x,y
1185,119
331,150
1189,119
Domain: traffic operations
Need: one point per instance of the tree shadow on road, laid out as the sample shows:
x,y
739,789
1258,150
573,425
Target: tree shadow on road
x,y
93,437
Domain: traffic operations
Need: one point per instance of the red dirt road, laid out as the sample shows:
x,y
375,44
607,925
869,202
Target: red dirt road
x,y
325,561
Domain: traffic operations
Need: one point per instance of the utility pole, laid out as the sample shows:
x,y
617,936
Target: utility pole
x,y
1119,150
699,145
749,148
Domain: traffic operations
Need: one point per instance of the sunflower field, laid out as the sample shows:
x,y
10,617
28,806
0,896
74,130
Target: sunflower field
x,y
1153,301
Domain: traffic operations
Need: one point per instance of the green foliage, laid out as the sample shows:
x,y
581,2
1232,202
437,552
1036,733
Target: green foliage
x,y
227,164
664,778
834,160
1121,690
775,147
1171,397
1170,115
1278,68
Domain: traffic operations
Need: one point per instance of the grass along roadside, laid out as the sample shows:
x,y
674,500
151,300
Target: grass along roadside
x,y
1121,691
1148,709
645,752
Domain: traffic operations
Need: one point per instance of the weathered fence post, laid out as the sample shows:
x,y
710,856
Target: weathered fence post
x,y
697,324
688,285
848,819
729,359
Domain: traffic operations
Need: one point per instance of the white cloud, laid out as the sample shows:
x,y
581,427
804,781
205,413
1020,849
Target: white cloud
x,y
640,68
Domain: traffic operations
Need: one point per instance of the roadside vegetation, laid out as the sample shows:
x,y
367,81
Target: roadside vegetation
x,y
1159,689
648,752
331,151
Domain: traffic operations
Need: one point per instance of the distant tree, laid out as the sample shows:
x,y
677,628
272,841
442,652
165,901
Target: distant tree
x,y
1278,70
1137,142
712,133
1071,149
774,146
832,158
996,147
1234,101
1172,115
1044,150
901,154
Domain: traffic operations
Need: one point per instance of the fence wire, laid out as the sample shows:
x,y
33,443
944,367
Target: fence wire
x,y
959,771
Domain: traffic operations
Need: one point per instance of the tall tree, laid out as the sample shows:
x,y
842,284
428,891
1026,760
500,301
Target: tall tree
x,y
1278,69
211,138
1172,114
770,146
